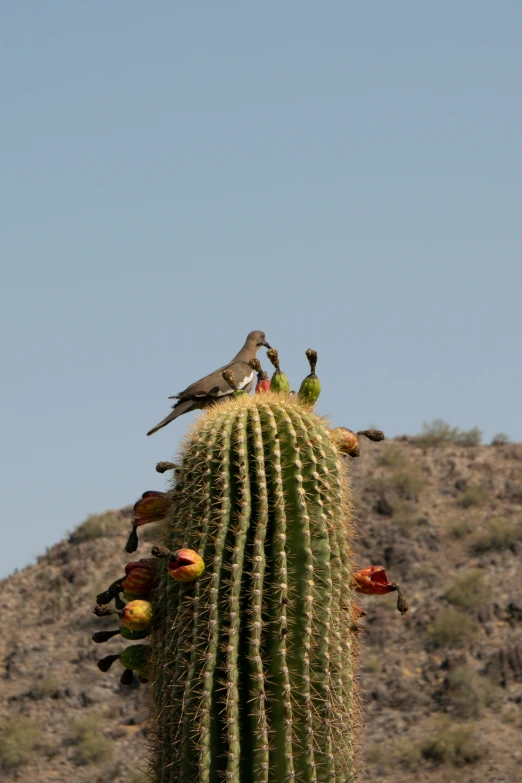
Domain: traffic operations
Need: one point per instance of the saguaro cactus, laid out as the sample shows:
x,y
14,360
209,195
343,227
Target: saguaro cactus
x,y
252,665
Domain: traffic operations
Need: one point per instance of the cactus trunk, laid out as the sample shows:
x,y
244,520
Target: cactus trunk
x,y
252,665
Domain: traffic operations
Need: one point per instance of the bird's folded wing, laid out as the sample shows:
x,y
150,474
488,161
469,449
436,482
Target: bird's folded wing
x,y
203,387
214,385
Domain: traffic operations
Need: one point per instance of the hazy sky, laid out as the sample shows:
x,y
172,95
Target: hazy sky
x,y
345,176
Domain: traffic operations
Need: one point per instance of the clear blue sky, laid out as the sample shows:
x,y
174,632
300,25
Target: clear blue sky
x,y
345,176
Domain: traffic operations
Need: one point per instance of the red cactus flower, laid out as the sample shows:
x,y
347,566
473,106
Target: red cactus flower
x,y
372,580
263,383
151,507
186,565
357,611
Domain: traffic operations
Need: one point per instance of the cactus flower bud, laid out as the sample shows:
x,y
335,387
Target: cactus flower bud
x,y
372,580
151,507
137,615
311,386
186,565
140,579
346,441
357,611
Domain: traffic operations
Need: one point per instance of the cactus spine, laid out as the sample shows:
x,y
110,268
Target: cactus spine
x,y
252,665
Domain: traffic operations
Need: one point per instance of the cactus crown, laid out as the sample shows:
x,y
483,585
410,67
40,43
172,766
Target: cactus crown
x,y
253,663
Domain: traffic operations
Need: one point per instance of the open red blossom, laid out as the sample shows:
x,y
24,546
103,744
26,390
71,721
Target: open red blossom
x,y
372,580
263,383
151,507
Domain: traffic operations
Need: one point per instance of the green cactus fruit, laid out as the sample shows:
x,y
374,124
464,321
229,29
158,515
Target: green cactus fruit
x,y
311,386
279,382
126,633
136,657
252,665
310,389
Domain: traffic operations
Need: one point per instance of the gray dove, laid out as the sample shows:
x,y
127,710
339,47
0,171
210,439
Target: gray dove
x,y
213,387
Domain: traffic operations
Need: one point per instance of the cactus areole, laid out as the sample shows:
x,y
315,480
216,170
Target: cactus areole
x,y
252,664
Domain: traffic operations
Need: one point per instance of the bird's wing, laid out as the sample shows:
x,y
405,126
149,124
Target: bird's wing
x,y
214,385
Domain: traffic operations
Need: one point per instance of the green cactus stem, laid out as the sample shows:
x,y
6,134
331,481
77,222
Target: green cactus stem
x,y
252,665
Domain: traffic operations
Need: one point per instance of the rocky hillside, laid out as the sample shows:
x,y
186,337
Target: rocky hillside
x,y
442,686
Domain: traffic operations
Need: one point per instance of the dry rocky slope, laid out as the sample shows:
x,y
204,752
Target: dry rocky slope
x,y
442,685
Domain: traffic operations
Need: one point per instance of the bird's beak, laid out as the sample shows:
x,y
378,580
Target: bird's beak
x,y
266,344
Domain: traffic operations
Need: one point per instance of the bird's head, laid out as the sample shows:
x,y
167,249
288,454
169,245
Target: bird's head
x,y
258,339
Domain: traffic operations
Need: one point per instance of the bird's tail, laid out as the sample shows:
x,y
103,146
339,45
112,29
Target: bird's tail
x,y
181,407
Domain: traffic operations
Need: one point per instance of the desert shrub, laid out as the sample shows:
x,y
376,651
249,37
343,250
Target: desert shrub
x,y
516,493
474,495
452,743
458,527
90,742
404,475
498,533
468,590
374,753
392,456
43,688
20,737
439,432
510,714
406,754
137,776
103,525
371,664
501,439
450,626
469,693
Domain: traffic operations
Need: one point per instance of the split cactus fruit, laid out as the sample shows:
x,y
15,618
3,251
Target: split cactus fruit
x,y
252,665
186,565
